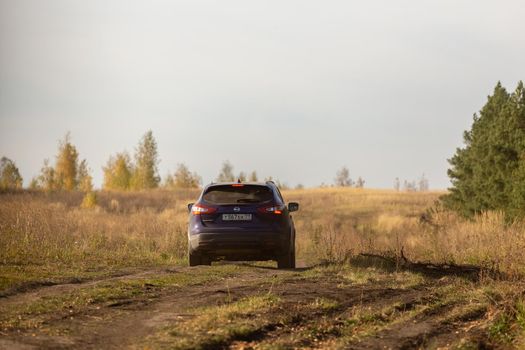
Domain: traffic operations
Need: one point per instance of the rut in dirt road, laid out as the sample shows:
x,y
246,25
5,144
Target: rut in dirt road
x,y
245,306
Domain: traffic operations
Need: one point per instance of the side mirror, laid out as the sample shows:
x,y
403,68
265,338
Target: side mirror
x,y
292,206
189,207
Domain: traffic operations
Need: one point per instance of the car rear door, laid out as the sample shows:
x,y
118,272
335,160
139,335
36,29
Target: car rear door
x,y
239,207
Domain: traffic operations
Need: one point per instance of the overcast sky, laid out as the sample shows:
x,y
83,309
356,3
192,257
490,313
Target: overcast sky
x,y
292,89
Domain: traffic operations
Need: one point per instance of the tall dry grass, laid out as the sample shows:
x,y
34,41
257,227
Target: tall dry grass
x,y
335,224
46,235
52,233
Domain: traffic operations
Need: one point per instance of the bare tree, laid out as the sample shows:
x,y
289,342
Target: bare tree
x,y
253,176
242,176
423,183
84,179
360,183
226,174
342,178
184,178
409,186
397,184
47,178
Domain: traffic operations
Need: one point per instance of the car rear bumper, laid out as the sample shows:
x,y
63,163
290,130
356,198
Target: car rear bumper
x,y
237,245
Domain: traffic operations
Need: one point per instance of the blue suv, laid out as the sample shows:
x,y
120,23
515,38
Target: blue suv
x,y
241,221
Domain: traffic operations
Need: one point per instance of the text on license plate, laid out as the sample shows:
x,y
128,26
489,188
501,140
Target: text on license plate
x,y
236,217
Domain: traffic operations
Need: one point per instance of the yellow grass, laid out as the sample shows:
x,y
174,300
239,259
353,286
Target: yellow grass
x,y
53,235
336,223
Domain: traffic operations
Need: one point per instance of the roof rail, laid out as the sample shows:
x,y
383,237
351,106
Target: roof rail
x,y
270,182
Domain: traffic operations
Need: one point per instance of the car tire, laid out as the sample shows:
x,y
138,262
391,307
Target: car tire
x,y
287,261
198,259
194,259
292,265
205,260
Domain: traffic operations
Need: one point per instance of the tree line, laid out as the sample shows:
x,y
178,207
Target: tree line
x,y
488,173
68,173
343,179
122,172
421,185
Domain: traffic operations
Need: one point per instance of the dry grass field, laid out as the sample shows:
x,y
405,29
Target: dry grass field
x,y
379,268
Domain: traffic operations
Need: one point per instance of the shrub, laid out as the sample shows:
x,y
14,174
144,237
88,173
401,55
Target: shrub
x,y
89,201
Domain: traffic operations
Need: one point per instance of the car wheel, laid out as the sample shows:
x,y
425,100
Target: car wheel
x,y
292,265
198,259
287,261
205,260
194,259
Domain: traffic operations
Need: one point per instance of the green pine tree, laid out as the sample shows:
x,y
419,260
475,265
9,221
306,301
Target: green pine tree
x,y
487,174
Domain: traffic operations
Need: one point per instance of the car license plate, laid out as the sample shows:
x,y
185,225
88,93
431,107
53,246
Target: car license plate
x,y
236,217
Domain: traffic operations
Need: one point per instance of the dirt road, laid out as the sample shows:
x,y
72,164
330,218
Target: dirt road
x,y
243,306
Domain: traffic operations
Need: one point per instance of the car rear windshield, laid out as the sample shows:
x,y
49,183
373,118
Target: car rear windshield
x,y
231,194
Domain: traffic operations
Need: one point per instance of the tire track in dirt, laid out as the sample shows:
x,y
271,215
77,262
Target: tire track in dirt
x,y
332,320
32,291
125,323
37,287
430,328
426,330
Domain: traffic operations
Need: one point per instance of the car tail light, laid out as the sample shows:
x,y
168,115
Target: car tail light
x,y
198,209
272,209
